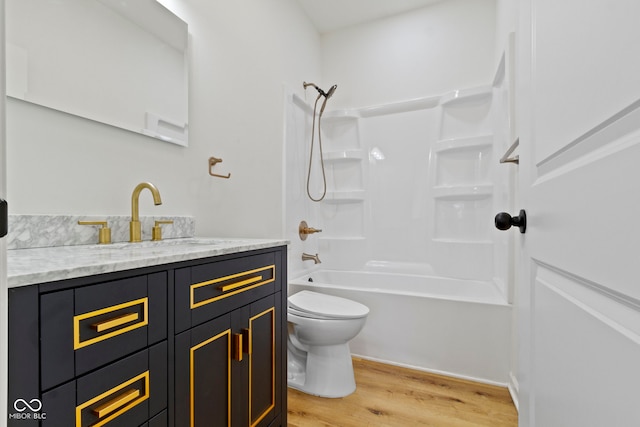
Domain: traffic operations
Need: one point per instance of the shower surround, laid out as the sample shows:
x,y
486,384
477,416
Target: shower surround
x,y
412,189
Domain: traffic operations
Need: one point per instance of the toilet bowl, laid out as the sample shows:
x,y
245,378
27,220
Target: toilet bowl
x,y
320,328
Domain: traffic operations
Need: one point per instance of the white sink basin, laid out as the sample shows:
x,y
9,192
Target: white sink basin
x,y
189,241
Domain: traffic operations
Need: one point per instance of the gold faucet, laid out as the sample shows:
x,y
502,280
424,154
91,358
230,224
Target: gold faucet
x,y
135,234
308,257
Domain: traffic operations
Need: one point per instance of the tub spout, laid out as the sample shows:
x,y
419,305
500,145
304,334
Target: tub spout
x,y
315,258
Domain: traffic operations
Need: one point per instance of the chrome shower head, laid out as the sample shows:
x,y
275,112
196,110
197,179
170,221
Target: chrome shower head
x,y
331,90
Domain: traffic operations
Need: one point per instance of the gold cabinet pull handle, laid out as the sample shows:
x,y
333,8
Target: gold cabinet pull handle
x,y
240,284
116,403
246,338
237,347
115,322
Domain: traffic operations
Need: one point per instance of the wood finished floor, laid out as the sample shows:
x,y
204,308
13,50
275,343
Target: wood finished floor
x,y
390,396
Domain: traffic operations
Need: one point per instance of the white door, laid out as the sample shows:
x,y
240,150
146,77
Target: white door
x,y
578,296
3,248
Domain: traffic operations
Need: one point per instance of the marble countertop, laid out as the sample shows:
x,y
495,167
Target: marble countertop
x,y
40,265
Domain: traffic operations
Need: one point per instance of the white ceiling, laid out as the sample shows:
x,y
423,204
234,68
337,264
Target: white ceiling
x,y
330,15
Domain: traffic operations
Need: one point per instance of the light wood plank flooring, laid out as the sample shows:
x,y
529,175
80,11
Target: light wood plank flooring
x,y
398,397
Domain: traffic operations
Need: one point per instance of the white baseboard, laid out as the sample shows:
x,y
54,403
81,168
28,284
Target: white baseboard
x,y
434,371
514,387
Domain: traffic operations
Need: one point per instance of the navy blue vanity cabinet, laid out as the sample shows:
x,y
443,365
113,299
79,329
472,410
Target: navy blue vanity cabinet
x,y
90,351
192,343
230,359
159,420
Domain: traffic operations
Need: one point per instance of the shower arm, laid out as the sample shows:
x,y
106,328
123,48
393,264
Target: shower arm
x,y
320,91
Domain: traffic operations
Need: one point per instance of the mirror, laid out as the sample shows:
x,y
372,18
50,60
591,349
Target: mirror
x,y
119,62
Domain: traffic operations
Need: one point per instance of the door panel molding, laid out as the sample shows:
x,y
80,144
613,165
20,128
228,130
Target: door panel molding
x,y
598,141
580,217
619,311
585,355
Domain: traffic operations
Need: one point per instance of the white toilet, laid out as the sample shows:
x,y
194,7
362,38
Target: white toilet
x,y
320,328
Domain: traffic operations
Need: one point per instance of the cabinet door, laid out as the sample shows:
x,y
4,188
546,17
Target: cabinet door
x,y
228,369
264,325
203,375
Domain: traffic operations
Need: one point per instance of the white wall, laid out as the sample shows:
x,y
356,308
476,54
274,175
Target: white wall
x,y
242,53
445,46
506,21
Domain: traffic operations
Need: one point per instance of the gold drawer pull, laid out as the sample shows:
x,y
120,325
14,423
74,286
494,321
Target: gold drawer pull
x,y
231,285
82,322
116,403
129,394
115,322
239,284
237,347
247,341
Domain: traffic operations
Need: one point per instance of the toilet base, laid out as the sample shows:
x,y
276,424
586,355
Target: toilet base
x,y
328,371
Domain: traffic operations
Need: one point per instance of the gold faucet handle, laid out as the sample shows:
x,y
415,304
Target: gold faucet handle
x,y
156,232
304,230
104,233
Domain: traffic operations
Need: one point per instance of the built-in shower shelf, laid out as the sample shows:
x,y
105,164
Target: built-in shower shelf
x,y
339,115
471,192
479,242
347,196
400,107
463,143
342,238
467,96
343,156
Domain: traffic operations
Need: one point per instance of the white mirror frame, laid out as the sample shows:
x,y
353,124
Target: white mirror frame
x,y
119,63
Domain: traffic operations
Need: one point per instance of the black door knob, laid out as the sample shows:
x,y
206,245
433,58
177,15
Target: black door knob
x,y
504,221
4,218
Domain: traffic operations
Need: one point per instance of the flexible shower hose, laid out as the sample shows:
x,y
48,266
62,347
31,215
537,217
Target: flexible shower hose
x,y
313,126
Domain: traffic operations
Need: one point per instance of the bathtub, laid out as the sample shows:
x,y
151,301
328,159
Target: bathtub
x,y
453,327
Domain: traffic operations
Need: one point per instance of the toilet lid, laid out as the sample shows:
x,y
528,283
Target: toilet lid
x,y
327,305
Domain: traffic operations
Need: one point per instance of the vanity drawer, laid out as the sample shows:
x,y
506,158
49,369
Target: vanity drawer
x,y
88,327
205,291
159,420
126,393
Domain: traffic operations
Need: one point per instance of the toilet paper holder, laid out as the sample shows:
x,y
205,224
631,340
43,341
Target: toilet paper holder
x,y
212,162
